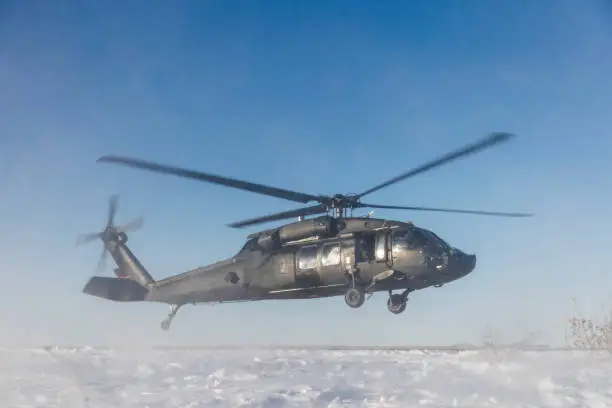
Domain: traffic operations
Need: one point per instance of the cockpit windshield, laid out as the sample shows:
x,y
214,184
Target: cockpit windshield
x,y
249,245
434,239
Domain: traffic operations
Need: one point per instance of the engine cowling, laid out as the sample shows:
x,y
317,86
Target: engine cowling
x,y
321,226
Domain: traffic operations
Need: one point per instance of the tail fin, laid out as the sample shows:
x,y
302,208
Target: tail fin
x,y
116,289
128,265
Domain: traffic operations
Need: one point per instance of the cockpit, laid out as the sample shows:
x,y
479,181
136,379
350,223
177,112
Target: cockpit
x,y
435,239
413,246
415,238
250,245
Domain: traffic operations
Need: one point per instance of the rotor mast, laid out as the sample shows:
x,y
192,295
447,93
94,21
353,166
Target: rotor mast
x,y
342,205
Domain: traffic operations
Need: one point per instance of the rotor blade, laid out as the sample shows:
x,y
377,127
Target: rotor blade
x,y
300,212
211,178
102,261
448,210
133,225
489,141
112,209
85,238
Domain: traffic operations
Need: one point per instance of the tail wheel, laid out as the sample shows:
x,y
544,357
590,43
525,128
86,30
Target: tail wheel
x,y
397,303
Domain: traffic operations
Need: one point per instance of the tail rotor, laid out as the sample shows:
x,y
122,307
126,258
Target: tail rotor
x,y
110,233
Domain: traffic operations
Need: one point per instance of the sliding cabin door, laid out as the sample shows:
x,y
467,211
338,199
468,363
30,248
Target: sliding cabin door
x,y
330,268
307,266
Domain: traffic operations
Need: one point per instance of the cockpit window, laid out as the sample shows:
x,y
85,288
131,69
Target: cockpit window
x,y
407,239
400,240
443,242
249,245
435,240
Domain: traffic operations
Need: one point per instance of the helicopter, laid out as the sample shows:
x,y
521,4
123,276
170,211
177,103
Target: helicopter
x,y
331,254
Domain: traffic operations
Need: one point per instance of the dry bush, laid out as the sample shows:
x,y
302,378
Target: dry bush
x,y
589,334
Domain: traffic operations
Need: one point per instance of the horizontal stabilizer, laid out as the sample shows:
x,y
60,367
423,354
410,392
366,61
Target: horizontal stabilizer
x,y
116,289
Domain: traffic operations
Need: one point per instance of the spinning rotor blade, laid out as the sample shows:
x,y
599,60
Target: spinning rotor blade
x,y
85,238
448,210
300,212
211,178
113,203
325,201
489,141
110,231
102,261
133,225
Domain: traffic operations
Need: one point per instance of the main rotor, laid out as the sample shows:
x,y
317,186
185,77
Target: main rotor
x,y
338,204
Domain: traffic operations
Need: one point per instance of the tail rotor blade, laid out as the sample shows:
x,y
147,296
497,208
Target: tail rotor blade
x,y
85,238
112,209
110,236
133,225
102,261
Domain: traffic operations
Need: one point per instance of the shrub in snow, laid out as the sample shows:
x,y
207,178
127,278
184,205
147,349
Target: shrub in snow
x,y
587,334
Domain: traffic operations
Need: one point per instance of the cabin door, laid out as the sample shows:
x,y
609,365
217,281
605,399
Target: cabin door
x,y
382,247
331,262
348,256
306,272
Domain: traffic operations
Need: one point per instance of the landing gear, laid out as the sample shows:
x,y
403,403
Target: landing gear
x,y
165,324
354,297
355,294
397,302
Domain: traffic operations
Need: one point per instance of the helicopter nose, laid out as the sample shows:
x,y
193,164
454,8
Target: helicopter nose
x,y
471,263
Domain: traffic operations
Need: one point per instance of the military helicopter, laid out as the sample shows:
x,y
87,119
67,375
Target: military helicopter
x,y
332,254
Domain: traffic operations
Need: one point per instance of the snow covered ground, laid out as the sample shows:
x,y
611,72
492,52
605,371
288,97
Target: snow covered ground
x,y
89,378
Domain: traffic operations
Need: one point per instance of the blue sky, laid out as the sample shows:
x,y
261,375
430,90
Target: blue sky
x,y
321,97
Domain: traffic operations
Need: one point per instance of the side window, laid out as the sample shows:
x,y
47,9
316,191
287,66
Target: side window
x,y
307,257
330,255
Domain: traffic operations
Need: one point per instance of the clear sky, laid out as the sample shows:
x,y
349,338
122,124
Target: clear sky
x,y
320,97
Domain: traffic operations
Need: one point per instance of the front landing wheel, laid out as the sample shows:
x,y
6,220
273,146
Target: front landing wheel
x,y
354,297
396,303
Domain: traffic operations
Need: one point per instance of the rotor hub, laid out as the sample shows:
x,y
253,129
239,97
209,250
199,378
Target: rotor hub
x,y
113,233
344,200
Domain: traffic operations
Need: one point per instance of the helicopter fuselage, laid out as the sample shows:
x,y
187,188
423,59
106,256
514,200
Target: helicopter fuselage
x,y
321,257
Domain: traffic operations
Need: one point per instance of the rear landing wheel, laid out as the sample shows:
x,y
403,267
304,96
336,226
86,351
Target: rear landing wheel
x,y
165,324
396,303
354,297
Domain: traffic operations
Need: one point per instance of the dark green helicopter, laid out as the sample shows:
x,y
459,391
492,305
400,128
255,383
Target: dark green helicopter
x,y
331,254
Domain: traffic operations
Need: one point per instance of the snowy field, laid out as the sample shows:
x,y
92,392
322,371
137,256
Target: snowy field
x,y
89,378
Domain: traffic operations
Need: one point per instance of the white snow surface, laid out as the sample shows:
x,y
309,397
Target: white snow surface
x,y
88,378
